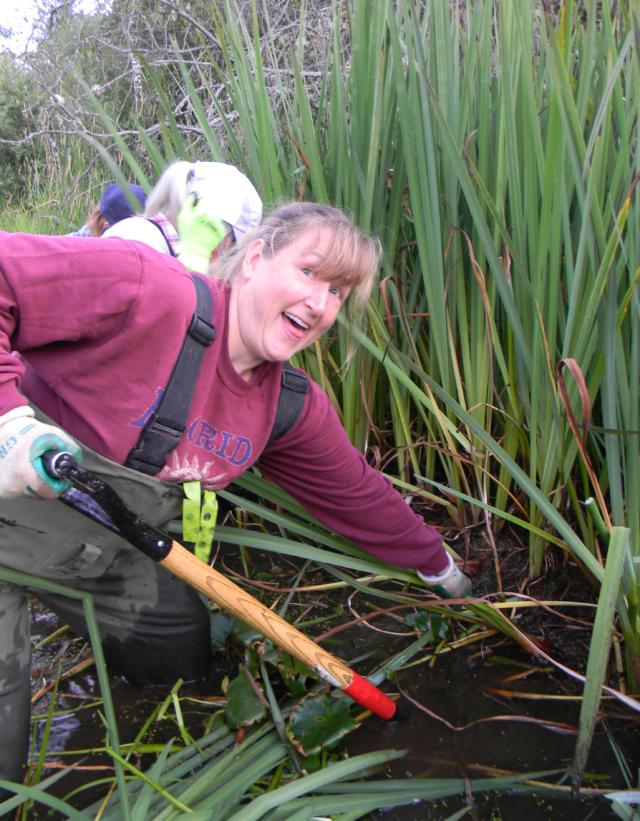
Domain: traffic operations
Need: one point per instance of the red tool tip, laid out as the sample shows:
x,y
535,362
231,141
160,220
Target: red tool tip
x,y
370,697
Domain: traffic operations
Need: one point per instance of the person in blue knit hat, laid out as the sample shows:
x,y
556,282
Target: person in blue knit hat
x,y
113,207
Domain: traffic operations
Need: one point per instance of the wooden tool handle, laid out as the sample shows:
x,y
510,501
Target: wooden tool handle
x,y
237,601
177,560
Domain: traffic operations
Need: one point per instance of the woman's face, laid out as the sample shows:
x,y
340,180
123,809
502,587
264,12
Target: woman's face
x,y
283,306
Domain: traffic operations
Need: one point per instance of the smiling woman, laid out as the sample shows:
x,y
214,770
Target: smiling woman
x,y
95,375
351,259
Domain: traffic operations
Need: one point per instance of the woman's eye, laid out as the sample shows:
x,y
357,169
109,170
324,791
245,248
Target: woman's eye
x,y
307,272
335,291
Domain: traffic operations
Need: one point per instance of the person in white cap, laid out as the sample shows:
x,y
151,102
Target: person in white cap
x,y
195,210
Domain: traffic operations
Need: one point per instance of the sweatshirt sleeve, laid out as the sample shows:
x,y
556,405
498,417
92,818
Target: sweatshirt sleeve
x,y
318,466
54,291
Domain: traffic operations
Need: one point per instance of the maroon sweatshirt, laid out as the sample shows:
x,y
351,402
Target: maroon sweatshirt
x,y
99,323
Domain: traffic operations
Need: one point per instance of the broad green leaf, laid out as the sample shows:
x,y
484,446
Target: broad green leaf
x,y
244,707
320,722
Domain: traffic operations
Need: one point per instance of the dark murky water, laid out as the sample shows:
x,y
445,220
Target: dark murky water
x,y
459,689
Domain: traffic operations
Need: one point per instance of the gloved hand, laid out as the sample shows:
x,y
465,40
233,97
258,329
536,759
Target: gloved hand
x,y
23,440
200,233
450,584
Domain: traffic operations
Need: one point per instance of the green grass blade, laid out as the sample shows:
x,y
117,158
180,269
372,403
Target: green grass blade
x,y
598,659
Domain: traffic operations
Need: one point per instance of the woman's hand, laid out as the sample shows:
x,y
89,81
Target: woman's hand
x,y
450,584
23,440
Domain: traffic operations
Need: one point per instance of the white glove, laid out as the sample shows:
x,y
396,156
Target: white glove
x,y
450,584
23,440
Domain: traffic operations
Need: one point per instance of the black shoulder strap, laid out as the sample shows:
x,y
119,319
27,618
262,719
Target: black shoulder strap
x,y
165,427
295,386
164,236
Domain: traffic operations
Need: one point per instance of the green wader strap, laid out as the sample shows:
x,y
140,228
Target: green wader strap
x,y
199,515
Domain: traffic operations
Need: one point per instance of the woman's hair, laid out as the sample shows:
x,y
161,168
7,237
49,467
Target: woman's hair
x,y
170,192
352,260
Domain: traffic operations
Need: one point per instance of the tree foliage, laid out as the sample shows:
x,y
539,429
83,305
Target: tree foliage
x,y
18,114
78,58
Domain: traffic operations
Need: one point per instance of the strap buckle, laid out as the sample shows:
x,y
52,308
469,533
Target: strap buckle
x,y
156,442
201,330
294,381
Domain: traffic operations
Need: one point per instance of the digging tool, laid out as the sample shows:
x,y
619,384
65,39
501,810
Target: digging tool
x,y
94,498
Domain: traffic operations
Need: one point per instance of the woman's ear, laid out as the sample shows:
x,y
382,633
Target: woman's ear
x,y
252,257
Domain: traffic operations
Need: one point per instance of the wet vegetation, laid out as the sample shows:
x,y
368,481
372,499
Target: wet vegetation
x,y
494,149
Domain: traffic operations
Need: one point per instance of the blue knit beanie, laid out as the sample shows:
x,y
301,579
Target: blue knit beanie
x,y
114,206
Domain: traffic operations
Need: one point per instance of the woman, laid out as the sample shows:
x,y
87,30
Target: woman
x,y
99,334
221,196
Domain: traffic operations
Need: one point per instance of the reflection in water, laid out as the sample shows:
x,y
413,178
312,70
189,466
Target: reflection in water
x,y
62,729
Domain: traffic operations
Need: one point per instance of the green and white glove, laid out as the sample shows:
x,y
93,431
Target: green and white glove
x,y
450,584
23,440
200,233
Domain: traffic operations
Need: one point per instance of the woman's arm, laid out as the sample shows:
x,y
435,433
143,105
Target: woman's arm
x,y
318,466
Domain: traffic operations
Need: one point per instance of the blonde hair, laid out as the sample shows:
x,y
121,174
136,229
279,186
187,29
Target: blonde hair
x,y
170,192
352,260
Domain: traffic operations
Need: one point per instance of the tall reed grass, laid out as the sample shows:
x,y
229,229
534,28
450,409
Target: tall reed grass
x,y
494,148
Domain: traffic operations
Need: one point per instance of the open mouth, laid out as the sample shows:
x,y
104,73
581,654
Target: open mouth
x,y
295,322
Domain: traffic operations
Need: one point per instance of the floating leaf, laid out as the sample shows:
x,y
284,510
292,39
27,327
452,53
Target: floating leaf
x,y
431,623
269,652
294,673
224,626
245,633
244,707
320,722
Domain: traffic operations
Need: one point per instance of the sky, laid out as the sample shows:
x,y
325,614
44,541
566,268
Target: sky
x,y
19,16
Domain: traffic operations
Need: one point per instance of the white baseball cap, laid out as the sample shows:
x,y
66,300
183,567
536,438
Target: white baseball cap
x,y
229,193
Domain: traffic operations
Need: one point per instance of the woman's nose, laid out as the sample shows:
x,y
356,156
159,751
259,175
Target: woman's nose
x,y
316,298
